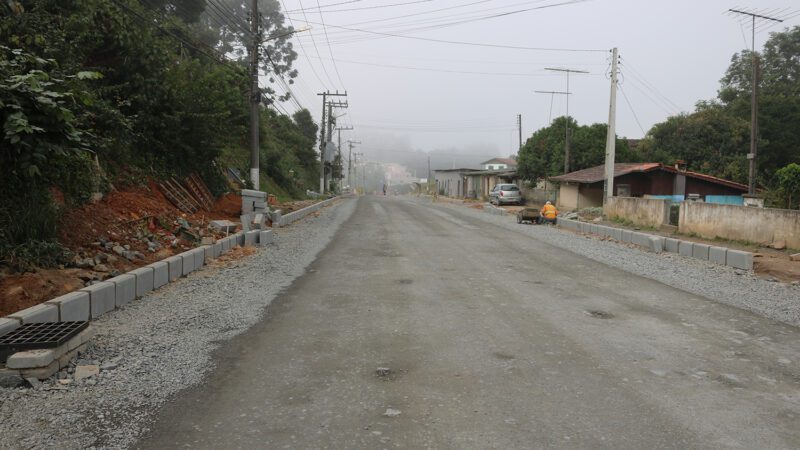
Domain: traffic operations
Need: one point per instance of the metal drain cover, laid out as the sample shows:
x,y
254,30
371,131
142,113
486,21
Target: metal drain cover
x,y
38,335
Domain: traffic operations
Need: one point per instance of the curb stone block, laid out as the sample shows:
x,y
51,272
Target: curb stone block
x,y
700,251
102,297
187,261
641,239
685,248
175,264
627,235
251,238
226,245
41,373
124,288
216,250
8,325
200,256
144,280
656,244
717,255
31,359
240,239
37,314
72,307
671,245
739,259
616,233
160,273
265,237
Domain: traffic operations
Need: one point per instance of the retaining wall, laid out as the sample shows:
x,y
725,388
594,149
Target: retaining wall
x,y
740,223
658,244
646,212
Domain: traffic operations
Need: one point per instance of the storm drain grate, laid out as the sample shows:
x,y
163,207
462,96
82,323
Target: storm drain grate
x,y
38,335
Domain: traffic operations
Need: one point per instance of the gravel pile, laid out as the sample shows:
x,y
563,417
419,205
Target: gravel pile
x,y
160,344
742,289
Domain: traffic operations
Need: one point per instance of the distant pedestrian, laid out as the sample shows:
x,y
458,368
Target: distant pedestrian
x,y
384,189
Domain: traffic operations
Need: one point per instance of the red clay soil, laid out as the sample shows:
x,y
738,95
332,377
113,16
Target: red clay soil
x,y
118,217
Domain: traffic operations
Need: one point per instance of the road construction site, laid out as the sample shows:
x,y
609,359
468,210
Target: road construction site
x,y
396,322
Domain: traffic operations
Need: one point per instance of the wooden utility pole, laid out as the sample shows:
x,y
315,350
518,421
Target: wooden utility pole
x,y
753,100
567,138
611,134
255,95
519,129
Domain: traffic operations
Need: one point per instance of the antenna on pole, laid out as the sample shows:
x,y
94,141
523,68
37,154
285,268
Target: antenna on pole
x,y
567,137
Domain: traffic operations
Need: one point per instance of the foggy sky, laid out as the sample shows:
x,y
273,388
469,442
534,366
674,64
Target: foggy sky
x,y
673,54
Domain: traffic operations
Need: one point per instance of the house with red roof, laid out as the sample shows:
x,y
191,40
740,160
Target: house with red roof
x,y
584,188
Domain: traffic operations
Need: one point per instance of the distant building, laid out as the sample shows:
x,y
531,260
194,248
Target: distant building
x,y
584,188
499,164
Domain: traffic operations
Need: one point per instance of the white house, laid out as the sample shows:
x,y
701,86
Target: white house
x,y
499,164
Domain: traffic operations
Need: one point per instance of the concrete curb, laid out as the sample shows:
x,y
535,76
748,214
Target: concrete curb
x,y
717,255
93,301
294,216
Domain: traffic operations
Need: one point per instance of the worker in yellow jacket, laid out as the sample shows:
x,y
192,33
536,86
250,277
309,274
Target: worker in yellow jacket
x,y
548,213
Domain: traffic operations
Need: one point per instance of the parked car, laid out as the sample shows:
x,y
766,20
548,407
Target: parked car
x,y
505,193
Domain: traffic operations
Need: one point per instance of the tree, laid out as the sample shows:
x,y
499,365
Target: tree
x,y
543,153
788,180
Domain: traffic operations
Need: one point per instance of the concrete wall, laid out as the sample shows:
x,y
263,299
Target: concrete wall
x,y
641,211
743,223
568,196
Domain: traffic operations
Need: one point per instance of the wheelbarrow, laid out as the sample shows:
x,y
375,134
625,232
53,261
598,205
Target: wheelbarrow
x,y
528,215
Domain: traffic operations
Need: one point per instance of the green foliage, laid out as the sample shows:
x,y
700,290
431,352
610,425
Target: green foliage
x,y
543,153
788,181
28,225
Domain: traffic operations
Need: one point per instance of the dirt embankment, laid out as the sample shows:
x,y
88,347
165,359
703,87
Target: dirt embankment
x,y
128,228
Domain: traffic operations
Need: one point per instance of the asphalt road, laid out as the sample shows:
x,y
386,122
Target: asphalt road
x,y
493,340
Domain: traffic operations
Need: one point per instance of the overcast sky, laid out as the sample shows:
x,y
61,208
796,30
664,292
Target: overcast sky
x,y
423,95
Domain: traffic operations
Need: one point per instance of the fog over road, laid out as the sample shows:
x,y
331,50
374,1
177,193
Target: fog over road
x,y
493,340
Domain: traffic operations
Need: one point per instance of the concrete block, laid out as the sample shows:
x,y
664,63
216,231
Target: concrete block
x,y
41,373
124,288
144,280
187,262
671,245
685,248
160,273
226,245
225,226
640,239
8,325
102,298
616,233
700,251
275,216
216,250
37,314
175,264
200,256
627,235
739,259
251,238
265,238
717,255
239,239
72,307
31,359
656,244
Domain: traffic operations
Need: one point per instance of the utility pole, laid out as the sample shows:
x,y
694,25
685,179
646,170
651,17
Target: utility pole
x,y
567,138
753,100
429,173
255,95
519,128
611,134
350,145
326,124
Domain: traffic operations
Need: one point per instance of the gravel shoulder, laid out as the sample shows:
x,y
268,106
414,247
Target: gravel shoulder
x,y
161,344
726,285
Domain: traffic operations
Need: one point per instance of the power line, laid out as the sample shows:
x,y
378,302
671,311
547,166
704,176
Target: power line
x,y
316,49
323,6
330,49
632,111
474,44
376,6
